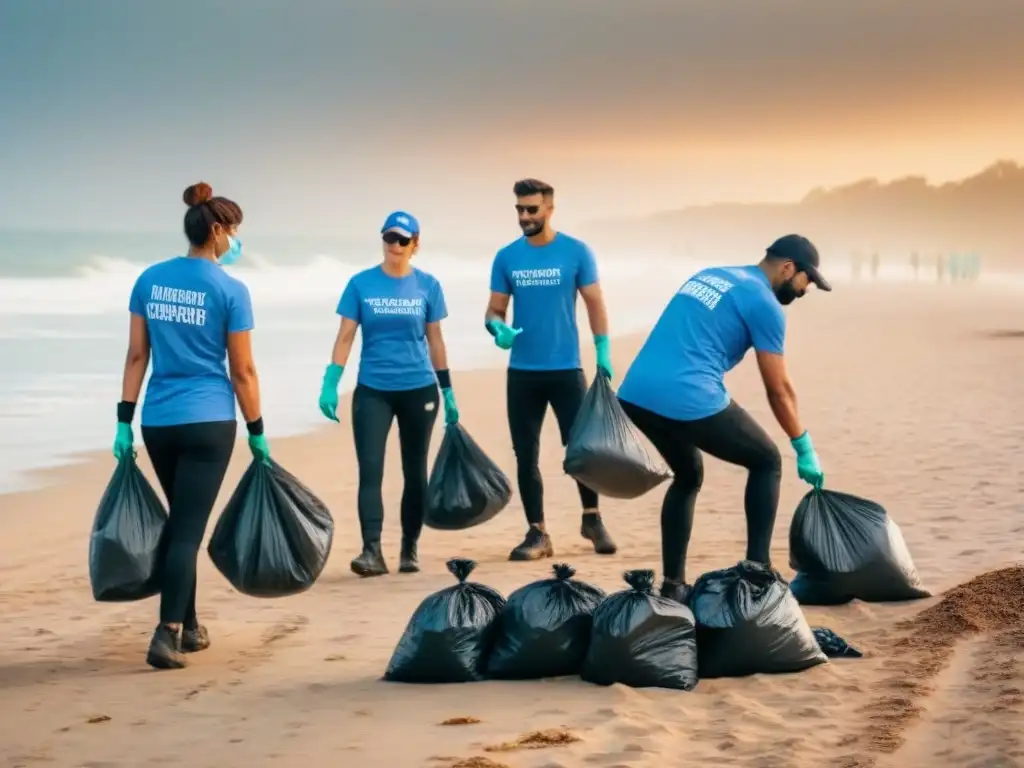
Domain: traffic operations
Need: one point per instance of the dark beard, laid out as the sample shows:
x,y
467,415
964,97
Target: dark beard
x,y
786,293
532,228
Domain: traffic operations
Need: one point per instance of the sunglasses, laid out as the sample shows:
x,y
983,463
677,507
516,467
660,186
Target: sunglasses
x,y
393,237
530,209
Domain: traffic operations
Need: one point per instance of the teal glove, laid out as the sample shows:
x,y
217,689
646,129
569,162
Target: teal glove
x,y
329,391
604,356
503,335
451,410
123,441
260,448
808,467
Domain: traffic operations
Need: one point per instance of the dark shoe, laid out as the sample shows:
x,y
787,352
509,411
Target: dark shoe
x,y
593,529
193,640
370,562
165,649
676,591
535,546
408,561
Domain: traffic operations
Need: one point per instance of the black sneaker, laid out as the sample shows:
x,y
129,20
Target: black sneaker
x,y
535,546
408,560
193,640
592,528
677,591
370,562
165,649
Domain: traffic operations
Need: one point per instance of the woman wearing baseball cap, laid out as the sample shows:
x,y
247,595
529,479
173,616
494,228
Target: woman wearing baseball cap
x,y
403,360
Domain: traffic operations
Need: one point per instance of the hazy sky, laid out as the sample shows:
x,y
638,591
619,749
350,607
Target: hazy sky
x,y
320,116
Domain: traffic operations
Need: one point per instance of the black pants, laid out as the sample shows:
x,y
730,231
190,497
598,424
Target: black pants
x,y
373,410
731,435
528,394
190,461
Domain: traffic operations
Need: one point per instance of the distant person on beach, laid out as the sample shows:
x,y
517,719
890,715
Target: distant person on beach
x,y
675,393
189,314
542,273
403,361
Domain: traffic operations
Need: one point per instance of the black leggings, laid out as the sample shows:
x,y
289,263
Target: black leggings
x,y
528,395
373,410
190,461
731,435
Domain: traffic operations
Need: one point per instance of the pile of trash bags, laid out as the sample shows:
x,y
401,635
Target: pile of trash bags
x,y
124,548
604,451
737,621
843,547
465,488
274,536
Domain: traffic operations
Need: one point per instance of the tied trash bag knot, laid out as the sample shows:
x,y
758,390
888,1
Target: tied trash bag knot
x,y
449,634
466,488
604,451
544,628
642,640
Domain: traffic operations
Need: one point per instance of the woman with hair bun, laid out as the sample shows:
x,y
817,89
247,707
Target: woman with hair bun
x,y
189,315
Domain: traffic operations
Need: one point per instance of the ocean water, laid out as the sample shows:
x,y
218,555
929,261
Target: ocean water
x,y
64,324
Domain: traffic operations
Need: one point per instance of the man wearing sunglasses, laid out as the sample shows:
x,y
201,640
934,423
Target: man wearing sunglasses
x,y
542,272
675,393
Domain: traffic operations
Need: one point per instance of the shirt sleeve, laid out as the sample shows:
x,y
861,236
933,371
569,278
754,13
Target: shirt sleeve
x,y
348,305
240,309
767,324
136,302
587,272
499,278
437,310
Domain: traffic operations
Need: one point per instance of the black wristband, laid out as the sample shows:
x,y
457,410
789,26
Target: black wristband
x,y
255,427
444,379
125,412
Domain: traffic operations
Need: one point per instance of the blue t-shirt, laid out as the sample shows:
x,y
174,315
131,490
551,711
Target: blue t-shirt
x,y
705,331
543,282
394,312
190,306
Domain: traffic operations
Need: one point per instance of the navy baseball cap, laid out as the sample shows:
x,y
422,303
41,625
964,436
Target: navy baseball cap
x,y
401,222
801,252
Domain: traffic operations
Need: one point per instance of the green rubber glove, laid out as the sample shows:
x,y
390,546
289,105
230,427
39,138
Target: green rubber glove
x,y
503,335
604,356
329,391
451,410
260,448
123,440
808,466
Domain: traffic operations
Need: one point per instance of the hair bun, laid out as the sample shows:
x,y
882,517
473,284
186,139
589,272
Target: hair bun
x,y
197,194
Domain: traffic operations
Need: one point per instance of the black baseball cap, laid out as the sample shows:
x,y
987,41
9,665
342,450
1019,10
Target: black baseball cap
x,y
800,251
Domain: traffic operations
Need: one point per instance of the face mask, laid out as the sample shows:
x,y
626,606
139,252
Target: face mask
x,y
232,254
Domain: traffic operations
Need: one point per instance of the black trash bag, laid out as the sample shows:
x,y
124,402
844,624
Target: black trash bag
x,y
274,536
450,634
124,549
833,646
642,640
604,450
466,488
544,629
843,547
748,622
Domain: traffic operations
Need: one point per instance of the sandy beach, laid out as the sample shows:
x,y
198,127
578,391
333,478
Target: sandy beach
x,y
915,399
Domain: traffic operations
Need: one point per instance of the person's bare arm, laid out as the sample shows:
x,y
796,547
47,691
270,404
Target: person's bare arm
x,y
593,298
243,375
435,343
136,360
780,391
343,341
497,307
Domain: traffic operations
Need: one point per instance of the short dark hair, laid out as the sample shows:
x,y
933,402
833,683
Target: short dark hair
x,y
527,187
205,210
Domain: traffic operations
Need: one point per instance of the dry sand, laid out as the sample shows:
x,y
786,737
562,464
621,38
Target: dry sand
x,y
914,398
